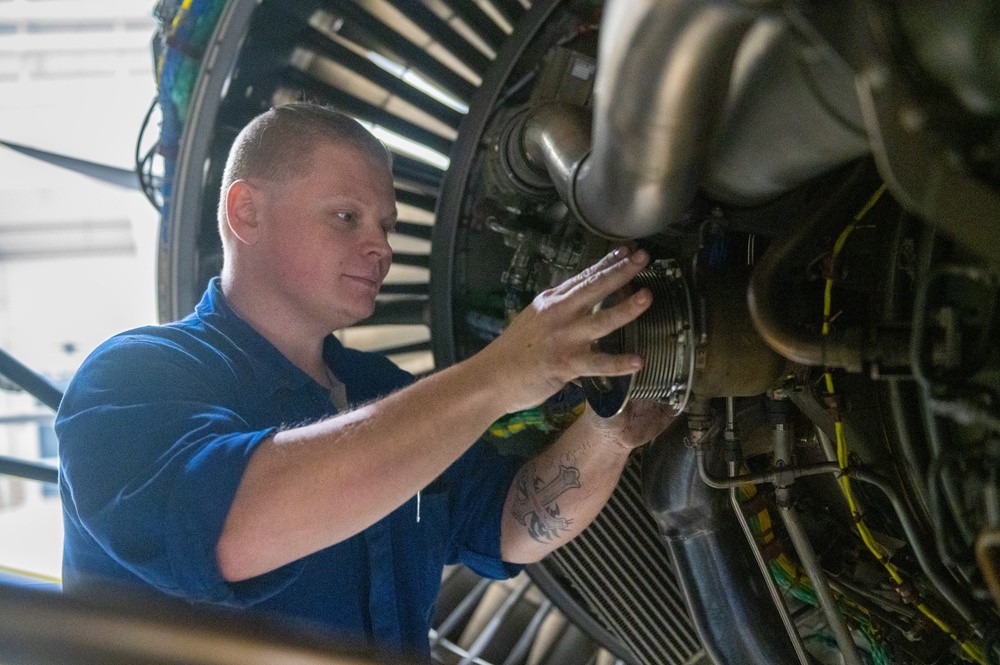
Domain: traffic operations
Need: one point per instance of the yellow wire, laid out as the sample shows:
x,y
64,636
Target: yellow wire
x,y
175,24
973,650
837,247
36,576
180,15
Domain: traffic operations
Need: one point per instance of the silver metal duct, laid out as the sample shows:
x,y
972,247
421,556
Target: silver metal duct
x,y
730,606
689,94
661,87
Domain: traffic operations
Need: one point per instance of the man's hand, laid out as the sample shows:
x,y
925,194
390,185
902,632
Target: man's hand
x,y
553,340
558,493
639,422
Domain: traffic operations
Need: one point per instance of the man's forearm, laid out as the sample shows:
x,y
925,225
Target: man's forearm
x,y
557,494
316,485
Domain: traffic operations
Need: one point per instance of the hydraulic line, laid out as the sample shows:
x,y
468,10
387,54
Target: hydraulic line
x,y
772,587
786,475
804,549
810,562
922,554
773,477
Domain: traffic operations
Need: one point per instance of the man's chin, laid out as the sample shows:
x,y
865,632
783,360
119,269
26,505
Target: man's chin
x,y
347,317
363,312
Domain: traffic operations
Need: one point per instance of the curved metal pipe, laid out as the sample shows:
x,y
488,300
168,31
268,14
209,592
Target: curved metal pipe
x,y
838,349
687,94
777,477
659,98
849,349
730,607
556,139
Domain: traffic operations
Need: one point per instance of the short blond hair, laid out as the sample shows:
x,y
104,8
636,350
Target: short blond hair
x,y
277,145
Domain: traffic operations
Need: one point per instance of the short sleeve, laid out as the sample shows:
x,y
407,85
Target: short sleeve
x,y
151,455
479,483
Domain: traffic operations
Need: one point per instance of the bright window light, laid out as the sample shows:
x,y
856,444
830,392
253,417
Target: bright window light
x,y
408,147
417,81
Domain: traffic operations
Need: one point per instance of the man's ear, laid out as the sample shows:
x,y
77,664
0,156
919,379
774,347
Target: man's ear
x,y
242,212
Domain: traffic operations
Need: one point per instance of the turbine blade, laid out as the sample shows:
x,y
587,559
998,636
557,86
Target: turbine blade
x,y
109,174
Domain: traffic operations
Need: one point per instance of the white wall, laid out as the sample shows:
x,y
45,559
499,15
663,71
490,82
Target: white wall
x,y
76,255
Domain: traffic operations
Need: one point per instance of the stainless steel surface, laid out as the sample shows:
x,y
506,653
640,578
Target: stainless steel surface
x,y
811,564
658,99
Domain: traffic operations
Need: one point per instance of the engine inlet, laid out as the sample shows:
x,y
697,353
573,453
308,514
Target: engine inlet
x,y
662,335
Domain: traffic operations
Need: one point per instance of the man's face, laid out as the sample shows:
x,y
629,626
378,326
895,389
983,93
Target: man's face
x,y
324,245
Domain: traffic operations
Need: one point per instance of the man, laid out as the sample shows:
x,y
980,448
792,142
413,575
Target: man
x,y
243,457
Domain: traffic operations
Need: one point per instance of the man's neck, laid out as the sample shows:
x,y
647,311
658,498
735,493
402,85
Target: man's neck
x,y
298,341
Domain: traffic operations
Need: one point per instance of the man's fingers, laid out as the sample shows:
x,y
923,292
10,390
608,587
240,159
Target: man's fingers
x,y
602,283
608,320
604,277
608,260
607,364
563,327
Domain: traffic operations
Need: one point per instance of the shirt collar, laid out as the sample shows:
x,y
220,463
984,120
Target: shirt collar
x,y
269,365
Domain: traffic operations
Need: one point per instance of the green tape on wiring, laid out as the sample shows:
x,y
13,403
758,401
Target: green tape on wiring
x,y
515,423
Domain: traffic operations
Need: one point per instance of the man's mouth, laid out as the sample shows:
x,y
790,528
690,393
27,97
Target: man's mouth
x,y
373,282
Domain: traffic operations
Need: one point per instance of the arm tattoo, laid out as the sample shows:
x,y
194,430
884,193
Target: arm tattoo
x,y
535,506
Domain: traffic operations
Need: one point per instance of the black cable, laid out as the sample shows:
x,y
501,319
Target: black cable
x,y
149,186
140,163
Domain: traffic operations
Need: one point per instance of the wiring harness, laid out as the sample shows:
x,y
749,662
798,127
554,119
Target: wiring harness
x,y
185,29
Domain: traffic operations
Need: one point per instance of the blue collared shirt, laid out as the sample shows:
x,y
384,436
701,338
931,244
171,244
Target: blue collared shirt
x,y
155,432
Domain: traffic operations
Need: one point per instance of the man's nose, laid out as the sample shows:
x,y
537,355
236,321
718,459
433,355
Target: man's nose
x,y
377,243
